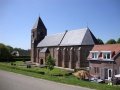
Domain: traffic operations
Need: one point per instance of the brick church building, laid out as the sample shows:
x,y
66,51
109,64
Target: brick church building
x,y
70,49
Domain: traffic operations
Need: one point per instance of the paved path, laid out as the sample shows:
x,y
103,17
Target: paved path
x,y
13,81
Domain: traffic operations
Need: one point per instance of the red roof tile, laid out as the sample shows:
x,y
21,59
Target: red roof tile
x,y
107,47
115,48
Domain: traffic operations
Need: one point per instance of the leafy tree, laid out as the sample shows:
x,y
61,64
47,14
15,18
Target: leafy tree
x,y
111,41
100,41
4,53
118,41
50,62
22,51
9,48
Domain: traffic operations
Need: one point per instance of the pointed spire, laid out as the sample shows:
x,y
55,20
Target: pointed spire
x,y
39,23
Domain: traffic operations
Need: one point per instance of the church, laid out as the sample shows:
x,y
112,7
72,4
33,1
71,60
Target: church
x,y
70,49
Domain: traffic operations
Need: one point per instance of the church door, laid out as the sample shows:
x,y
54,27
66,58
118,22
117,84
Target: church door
x,y
41,61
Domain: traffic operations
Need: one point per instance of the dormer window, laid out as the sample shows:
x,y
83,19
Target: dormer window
x,y
94,54
106,55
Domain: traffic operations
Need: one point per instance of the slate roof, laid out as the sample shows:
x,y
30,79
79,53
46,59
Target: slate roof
x,y
69,38
77,37
38,23
53,40
44,50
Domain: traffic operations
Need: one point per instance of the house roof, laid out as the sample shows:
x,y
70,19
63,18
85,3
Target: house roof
x,y
107,47
114,48
69,38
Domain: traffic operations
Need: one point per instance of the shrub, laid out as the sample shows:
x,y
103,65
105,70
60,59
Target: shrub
x,y
50,62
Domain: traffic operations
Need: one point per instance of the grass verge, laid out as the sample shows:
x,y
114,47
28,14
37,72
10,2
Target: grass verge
x,y
37,73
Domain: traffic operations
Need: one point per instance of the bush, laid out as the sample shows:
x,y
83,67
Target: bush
x,y
28,66
21,58
4,53
50,62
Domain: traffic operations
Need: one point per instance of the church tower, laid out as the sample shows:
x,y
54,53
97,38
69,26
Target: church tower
x,y
38,33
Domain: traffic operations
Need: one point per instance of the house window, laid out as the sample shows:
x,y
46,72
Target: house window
x,y
115,71
107,55
96,69
94,55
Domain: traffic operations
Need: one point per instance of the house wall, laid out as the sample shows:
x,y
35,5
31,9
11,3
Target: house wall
x,y
92,65
117,66
97,68
102,65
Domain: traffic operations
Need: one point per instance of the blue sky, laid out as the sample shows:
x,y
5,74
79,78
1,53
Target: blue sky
x,y
17,18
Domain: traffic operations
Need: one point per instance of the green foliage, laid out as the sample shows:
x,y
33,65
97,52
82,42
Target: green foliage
x,y
4,53
118,41
50,62
22,51
21,58
111,41
100,41
10,49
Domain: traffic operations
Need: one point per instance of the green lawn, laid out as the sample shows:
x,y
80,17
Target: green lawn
x,y
52,75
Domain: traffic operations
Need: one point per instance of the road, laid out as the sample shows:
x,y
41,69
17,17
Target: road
x,y
13,81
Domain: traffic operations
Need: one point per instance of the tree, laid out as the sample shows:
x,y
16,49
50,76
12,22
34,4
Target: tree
x,y
10,48
111,41
4,53
50,62
118,41
22,51
100,41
